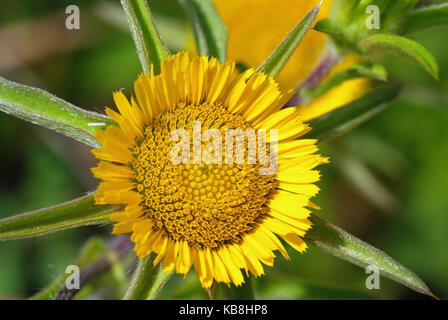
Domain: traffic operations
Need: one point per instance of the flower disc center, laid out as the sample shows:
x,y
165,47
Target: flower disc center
x,y
207,205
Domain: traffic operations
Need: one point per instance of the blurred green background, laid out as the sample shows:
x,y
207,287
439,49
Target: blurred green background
x,y
387,182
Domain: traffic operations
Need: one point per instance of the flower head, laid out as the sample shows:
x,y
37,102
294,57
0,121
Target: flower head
x,y
219,216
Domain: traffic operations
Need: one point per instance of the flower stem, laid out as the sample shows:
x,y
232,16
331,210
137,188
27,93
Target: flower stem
x,y
150,47
147,281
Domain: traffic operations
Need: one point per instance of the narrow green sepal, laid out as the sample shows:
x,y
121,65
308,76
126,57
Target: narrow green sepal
x,y
275,63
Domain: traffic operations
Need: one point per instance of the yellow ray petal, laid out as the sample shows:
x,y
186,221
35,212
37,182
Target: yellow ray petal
x,y
277,119
117,197
299,223
116,186
203,269
141,88
219,271
338,96
124,227
184,260
254,265
266,236
144,248
109,171
169,261
286,146
131,115
141,230
295,241
232,270
281,227
303,163
258,249
237,256
309,190
288,202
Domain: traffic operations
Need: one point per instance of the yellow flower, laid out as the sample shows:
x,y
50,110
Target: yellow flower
x,y
219,218
255,29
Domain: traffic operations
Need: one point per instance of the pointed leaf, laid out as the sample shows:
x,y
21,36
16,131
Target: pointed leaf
x,y
343,245
150,47
275,63
367,70
344,119
210,32
400,46
147,280
71,214
91,252
425,17
42,108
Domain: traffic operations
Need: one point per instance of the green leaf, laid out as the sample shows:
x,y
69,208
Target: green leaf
x,y
79,212
147,281
367,70
400,46
345,246
93,250
275,63
150,48
42,108
210,32
426,17
344,119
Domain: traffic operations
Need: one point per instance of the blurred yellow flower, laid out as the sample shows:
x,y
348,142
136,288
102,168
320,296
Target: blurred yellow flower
x,y
255,29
